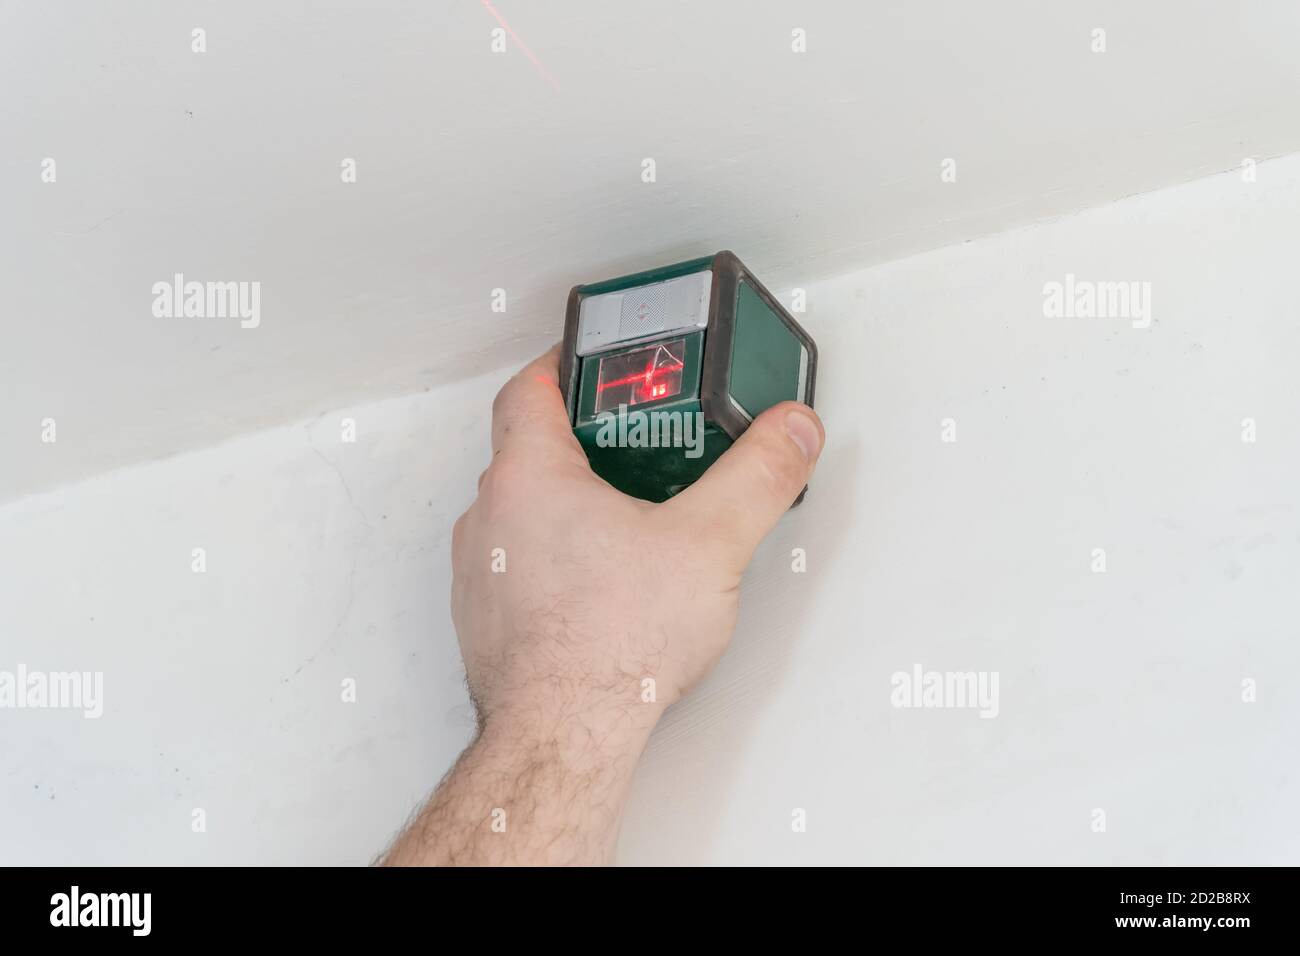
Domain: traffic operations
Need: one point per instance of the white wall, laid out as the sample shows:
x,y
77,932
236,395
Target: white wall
x,y
476,172
1119,691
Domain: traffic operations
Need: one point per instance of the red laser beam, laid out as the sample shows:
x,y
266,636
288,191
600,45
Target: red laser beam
x,y
521,44
646,377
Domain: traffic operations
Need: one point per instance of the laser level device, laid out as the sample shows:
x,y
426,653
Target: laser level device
x,y
662,370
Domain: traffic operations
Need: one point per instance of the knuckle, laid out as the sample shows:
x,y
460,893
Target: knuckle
x,y
458,532
506,472
515,411
782,466
502,399
504,486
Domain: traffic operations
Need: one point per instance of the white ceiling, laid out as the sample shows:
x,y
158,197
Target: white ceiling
x,y
479,170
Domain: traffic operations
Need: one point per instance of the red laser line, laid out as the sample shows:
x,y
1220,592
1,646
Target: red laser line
x,y
521,44
645,376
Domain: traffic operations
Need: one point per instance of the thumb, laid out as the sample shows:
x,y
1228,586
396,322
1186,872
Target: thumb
x,y
744,493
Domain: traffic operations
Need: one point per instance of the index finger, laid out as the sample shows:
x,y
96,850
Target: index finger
x,y
529,410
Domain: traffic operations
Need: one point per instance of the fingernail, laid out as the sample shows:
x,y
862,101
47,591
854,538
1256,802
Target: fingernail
x,y
803,432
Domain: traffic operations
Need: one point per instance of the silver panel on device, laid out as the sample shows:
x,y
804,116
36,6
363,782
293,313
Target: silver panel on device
x,y
644,311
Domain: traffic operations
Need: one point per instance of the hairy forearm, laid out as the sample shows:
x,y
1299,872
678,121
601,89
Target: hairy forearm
x,y
531,792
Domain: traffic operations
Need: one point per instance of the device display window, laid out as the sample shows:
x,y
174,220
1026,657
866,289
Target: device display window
x,y
642,375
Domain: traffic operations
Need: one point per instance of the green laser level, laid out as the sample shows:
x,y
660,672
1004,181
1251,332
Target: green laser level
x,y
662,370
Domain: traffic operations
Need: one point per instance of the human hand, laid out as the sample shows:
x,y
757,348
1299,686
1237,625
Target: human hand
x,y
591,593
583,613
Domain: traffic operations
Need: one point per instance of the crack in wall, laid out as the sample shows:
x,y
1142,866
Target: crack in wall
x,y
356,550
